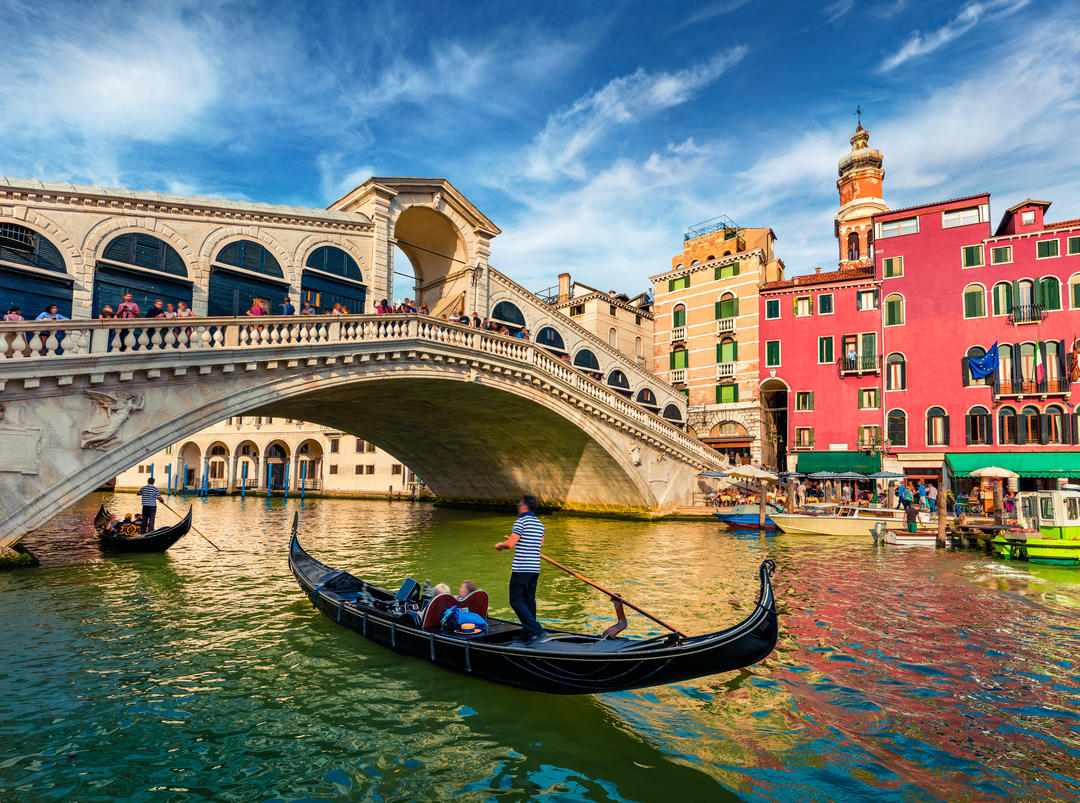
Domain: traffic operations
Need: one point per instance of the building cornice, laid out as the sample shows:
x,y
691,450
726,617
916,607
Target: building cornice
x,y
601,295
758,253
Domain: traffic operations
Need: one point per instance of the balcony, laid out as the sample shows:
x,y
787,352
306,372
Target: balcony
x,y
678,333
1029,387
1026,313
859,364
725,370
678,376
725,326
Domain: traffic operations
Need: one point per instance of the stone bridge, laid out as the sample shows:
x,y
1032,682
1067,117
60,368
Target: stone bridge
x,y
481,417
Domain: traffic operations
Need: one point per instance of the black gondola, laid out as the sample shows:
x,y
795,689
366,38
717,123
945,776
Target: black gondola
x,y
154,541
560,663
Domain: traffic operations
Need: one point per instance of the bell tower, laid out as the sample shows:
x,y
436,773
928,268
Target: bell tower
x,y
859,185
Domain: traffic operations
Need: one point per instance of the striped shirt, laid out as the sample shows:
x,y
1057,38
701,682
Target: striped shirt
x,y
530,532
149,494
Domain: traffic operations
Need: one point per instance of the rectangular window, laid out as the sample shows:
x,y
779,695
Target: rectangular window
x,y
825,304
611,311
577,309
892,267
894,311
960,217
370,447
804,400
359,445
678,284
1044,249
772,309
1027,218
1001,254
894,228
804,437
726,271
973,256
333,469
358,469
869,398
678,359
824,350
395,469
1074,246
804,306
867,299
727,394
335,445
869,436
369,469
772,353
728,351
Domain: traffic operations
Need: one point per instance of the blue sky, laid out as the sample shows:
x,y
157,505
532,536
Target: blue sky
x,y
592,134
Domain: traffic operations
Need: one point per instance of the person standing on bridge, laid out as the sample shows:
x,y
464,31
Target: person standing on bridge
x,y
149,494
287,307
526,539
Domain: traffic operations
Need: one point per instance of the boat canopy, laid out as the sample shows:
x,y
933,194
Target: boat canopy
x,y
837,462
1026,464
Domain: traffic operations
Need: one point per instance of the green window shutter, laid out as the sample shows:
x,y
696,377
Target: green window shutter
x,y
734,393
719,391
1038,294
735,269
861,405
970,305
717,310
671,285
735,351
1076,299
719,352
735,306
795,306
1015,294
716,273
811,407
1051,294
679,317
672,365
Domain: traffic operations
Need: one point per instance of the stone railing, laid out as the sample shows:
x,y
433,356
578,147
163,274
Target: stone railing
x,y
33,350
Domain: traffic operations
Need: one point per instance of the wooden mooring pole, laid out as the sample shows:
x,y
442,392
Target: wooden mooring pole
x,y
942,518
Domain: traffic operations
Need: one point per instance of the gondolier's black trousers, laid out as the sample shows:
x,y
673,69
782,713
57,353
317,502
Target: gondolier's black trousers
x,y
523,600
148,514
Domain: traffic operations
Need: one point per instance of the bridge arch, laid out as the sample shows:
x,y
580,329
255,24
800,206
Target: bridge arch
x,y
110,228
222,236
276,457
673,414
331,275
188,469
439,250
307,463
246,453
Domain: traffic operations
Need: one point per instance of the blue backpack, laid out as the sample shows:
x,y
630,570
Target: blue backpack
x,y
463,622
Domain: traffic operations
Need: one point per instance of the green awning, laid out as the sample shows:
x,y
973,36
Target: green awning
x,y
1026,464
839,462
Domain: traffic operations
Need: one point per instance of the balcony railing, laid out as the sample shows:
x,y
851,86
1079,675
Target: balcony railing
x,y
854,364
1026,313
678,376
1029,387
678,333
725,370
725,326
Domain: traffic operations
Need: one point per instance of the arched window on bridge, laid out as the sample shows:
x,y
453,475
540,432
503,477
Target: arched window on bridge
x,y
551,340
587,362
673,414
188,465
308,465
331,277
277,458
144,266
646,398
617,380
241,273
218,465
32,290
507,314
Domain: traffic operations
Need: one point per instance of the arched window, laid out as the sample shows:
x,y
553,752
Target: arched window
x,y
638,349
550,339
1028,425
729,429
1005,368
234,292
974,301
1052,362
31,291
679,358
897,428
673,413
870,242
617,379
249,256
218,450
1050,291
1025,293
145,267
613,338
727,306
678,316
1007,425
331,277
646,398
1027,365
853,246
895,372
894,310
1074,291
973,353
1054,429
587,360
977,423
508,315
727,350
1002,298
937,427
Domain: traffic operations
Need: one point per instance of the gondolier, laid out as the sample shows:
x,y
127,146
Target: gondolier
x,y
149,495
526,539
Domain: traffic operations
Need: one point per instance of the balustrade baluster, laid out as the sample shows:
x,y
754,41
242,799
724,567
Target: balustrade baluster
x,y
219,336
51,344
155,339
129,340
170,338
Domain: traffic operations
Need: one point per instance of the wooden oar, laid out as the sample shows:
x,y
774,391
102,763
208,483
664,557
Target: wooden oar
x,y
615,597
196,529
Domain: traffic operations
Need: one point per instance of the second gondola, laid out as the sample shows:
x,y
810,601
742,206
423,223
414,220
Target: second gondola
x,y
154,541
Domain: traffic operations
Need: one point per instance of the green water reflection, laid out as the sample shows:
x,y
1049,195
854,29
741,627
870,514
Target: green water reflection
x,y
901,673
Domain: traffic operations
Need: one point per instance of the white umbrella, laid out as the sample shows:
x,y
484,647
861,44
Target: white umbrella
x,y
995,471
751,473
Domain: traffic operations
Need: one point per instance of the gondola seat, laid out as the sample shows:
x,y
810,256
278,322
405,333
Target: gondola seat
x,y
409,591
476,602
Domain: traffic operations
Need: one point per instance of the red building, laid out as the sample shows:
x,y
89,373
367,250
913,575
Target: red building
x,y
881,374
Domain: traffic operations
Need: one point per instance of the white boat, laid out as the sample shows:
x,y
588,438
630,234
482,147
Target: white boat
x,y
904,538
846,521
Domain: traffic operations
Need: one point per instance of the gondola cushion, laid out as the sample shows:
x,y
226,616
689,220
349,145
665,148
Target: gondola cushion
x,y
463,622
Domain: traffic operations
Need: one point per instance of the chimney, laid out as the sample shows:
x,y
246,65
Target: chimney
x,y
564,287
817,269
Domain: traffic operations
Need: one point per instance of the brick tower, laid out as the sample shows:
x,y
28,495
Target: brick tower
x,y
859,186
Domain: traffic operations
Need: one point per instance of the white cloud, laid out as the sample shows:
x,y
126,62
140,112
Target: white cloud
x,y
919,44
558,149
837,10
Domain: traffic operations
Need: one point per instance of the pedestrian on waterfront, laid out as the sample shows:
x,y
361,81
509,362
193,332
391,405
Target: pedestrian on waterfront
x,y
14,314
911,516
905,495
157,310
845,494
921,492
931,498
150,495
51,313
127,308
800,493
286,307
526,539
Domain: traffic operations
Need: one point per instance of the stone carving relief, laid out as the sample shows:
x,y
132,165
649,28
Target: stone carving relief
x,y
635,455
117,411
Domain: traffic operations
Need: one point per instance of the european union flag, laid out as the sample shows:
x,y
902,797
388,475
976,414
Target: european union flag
x,y
985,365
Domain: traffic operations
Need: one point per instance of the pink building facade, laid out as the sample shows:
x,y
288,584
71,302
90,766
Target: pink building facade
x,y
900,387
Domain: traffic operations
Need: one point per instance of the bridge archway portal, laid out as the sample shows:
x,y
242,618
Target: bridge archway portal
x,y
439,258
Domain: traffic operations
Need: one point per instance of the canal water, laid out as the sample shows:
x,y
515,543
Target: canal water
x,y
901,673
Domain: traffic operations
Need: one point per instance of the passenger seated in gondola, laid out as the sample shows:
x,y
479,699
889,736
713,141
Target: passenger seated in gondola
x,y
128,527
441,588
466,588
110,525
